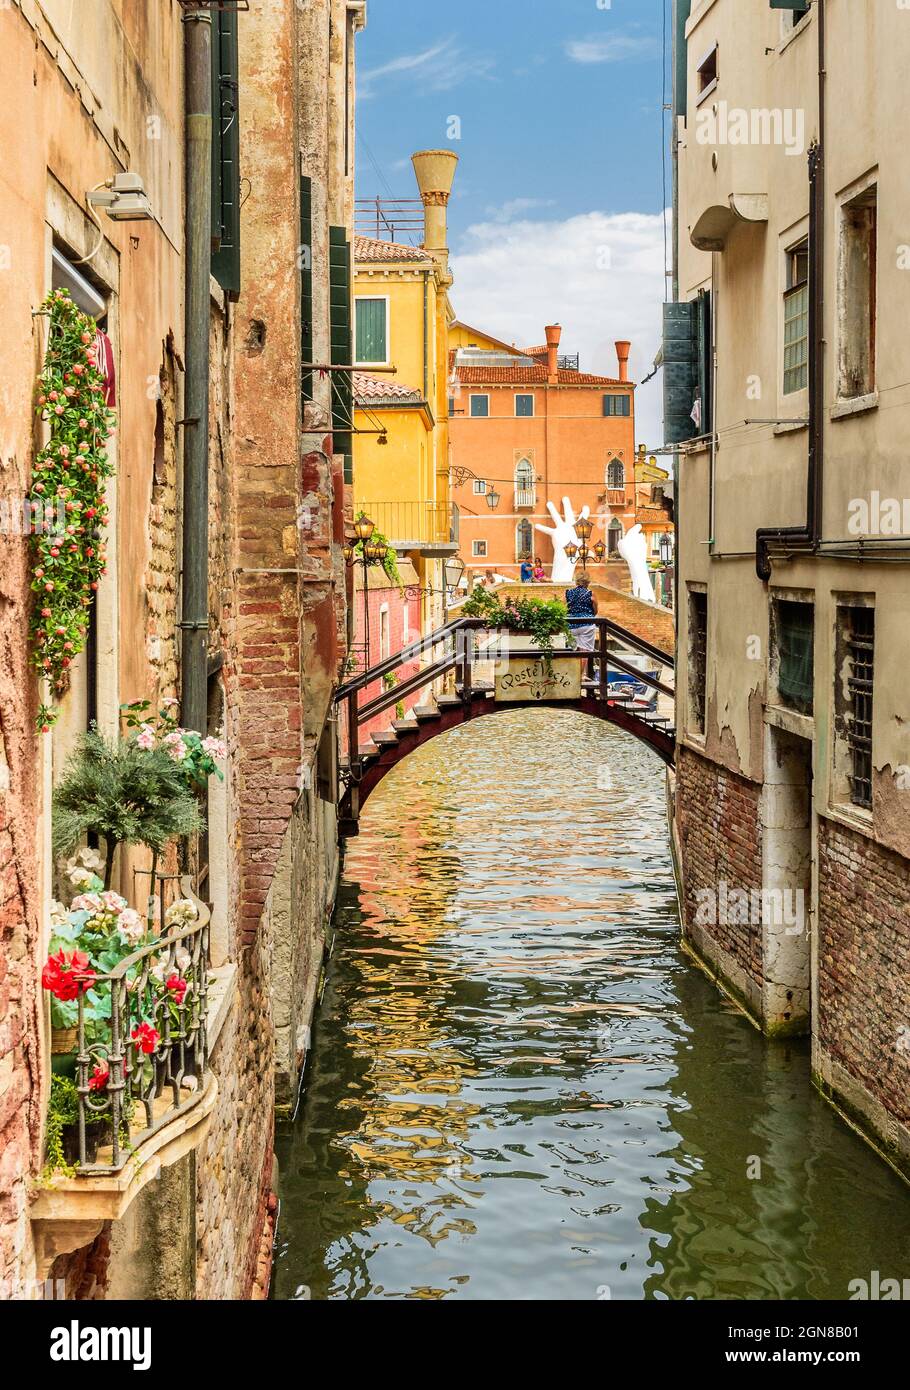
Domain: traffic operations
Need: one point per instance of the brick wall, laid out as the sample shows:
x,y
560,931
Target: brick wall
x,y
717,818
864,962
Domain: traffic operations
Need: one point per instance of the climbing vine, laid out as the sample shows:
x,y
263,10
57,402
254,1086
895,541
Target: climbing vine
x,y
66,501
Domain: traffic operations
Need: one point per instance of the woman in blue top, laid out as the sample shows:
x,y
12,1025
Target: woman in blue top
x,y
582,606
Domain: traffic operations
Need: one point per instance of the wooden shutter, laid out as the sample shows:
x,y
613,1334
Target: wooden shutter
x,y
341,341
371,330
306,286
225,152
680,371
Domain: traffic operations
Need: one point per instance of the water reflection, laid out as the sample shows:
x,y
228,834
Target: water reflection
x,y
520,1089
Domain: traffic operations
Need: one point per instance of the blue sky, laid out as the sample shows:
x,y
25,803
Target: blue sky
x,y
556,213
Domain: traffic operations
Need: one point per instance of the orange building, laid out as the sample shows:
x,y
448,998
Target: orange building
x,y
527,428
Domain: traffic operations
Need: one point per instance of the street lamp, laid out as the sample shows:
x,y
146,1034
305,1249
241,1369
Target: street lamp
x,y
371,553
583,529
492,499
453,571
666,550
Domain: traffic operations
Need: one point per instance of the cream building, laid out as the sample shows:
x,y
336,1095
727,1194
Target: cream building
x,y
787,366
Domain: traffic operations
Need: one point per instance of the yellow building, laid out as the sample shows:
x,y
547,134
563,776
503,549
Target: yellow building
x,y
401,418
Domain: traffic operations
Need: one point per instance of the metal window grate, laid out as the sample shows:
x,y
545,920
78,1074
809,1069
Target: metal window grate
x,y
861,653
698,619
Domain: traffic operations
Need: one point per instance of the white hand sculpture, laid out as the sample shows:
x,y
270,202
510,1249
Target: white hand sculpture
x,y
563,533
634,550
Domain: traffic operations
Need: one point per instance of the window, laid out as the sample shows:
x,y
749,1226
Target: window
x,y
794,647
618,405
706,73
385,648
524,405
341,345
796,319
614,536
616,475
856,296
451,405
793,13
698,658
480,487
372,330
480,407
524,540
479,550
525,490
853,699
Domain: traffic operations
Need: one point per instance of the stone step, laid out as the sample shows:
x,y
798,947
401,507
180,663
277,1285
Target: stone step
x,y
405,726
425,713
449,701
386,738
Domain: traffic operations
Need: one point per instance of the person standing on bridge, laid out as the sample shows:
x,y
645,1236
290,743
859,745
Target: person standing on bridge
x,y
582,606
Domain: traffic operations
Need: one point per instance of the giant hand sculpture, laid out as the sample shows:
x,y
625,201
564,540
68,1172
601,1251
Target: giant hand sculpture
x,y
634,550
563,533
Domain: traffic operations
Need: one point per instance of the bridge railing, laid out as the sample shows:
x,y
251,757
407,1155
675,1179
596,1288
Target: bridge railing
x,y
459,653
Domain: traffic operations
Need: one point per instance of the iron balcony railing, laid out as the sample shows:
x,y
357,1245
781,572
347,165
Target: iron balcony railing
x,y
152,1067
419,523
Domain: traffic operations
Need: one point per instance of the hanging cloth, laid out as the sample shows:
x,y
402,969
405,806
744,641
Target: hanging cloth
x,y
104,357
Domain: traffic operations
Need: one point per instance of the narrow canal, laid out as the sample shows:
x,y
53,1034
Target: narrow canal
x,y
521,1089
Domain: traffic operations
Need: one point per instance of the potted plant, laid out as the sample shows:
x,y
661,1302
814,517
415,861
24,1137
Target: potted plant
x,y
126,793
545,622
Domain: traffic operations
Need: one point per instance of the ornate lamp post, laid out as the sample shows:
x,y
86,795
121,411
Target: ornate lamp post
x,y
492,499
582,552
371,553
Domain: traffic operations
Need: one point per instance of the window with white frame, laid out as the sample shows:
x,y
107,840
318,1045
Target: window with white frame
x,y
614,536
479,550
796,318
372,323
524,540
480,407
525,491
385,647
480,487
524,405
616,475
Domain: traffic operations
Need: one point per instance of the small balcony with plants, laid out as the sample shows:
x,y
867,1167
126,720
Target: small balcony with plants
x,y
130,990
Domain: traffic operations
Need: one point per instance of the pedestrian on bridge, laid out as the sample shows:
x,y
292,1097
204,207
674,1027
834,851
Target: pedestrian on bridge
x,y
582,606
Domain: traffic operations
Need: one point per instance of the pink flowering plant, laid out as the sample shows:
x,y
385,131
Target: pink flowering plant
x,y
197,757
68,481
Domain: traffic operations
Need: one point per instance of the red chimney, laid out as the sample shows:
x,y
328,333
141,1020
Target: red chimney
x,y
554,333
623,349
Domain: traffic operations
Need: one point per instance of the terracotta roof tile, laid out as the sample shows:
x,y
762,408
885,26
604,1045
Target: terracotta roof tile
x,y
368,249
382,388
527,376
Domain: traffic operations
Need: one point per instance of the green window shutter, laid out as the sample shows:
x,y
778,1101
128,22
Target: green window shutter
x,y
225,152
342,345
704,356
680,371
371,330
306,285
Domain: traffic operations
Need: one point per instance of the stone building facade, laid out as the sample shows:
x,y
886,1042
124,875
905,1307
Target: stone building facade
x,y
791,789
88,102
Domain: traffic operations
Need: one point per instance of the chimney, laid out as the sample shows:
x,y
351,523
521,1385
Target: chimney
x,y
435,171
554,333
623,349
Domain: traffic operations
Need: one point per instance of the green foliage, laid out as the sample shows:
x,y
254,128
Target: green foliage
x,y
128,794
390,561
67,493
541,619
62,1110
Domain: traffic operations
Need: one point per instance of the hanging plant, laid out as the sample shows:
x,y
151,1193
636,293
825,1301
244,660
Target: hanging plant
x,y
67,493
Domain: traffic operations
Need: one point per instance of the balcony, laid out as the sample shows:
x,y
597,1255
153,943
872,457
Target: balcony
x,y
145,1092
431,528
525,497
616,496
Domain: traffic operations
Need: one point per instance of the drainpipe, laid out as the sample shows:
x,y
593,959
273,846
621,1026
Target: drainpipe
x,y
806,537
195,606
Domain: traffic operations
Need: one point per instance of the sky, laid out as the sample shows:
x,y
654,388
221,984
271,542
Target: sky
x,y
555,110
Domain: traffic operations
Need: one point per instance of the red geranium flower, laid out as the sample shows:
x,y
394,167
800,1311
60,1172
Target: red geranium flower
x,y
178,988
67,978
145,1037
99,1078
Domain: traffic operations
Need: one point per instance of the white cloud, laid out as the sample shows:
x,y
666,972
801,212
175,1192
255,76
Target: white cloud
x,y
611,48
437,69
508,211
599,275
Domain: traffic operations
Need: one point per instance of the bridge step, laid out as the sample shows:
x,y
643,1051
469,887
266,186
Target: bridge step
x,y
425,713
404,726
449,701
386,738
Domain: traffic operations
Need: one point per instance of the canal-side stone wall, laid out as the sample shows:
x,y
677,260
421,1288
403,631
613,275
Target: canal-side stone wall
x,y
862,1036
718,828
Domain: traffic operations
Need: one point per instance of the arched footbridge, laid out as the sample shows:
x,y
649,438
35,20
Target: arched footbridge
x,y
465,672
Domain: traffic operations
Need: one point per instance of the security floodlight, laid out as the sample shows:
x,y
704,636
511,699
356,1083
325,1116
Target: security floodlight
x,y
123,198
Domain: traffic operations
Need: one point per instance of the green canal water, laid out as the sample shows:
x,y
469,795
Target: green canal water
x,y
520,1089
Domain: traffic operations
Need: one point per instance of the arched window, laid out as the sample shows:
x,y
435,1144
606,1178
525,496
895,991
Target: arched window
x,y
524,539
614,535
616,475
525,491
